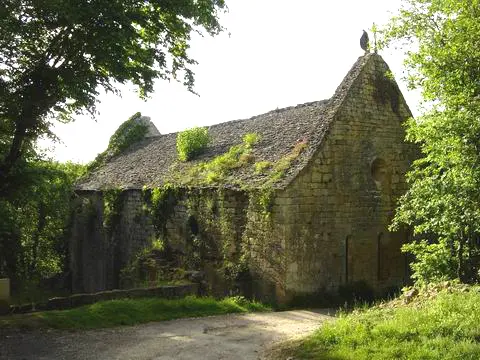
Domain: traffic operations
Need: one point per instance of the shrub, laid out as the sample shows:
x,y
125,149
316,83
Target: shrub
x,y
250,139
262,166
433,262
192,142
237,156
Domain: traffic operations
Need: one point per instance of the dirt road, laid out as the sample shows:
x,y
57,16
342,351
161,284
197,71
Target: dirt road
x,y
217,337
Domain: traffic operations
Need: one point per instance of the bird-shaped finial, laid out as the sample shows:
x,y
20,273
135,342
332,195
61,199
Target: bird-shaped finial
x,y
364,42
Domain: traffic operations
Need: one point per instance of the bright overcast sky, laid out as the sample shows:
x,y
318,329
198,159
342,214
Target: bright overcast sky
x,y
279,53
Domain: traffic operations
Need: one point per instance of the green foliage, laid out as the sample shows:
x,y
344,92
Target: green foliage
x,y
132,311
282,165
145,269
262,166
34,221
251,139
112,209
220,167
265,197
445,327
158,244
127,134
55,56
441,38
433,262
192,142
161,203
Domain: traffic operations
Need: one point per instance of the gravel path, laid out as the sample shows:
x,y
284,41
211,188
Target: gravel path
x,y
217,337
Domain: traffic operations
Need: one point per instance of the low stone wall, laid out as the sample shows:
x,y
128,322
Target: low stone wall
x,y
76,300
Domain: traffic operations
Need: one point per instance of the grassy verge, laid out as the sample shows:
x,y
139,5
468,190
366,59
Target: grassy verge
x,y
130,312
444,325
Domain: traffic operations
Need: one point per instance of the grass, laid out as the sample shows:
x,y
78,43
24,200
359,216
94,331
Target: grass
x,y
130,311
444,326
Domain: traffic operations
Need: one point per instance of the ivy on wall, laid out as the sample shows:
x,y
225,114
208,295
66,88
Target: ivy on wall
x,y
222,225
112,209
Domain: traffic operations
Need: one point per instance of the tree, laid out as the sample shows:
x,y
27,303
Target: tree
x,y
55,55
34,222
441,39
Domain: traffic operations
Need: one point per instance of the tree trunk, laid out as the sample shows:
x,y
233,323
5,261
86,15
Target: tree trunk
x,y
15,151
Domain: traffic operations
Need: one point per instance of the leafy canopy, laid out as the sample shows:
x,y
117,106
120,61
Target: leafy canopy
x,y
56,55
33,221
441,39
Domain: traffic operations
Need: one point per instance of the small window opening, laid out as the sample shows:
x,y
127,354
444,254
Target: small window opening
x,y
193,225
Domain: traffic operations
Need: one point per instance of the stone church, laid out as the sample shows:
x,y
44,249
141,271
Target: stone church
x,y
305,210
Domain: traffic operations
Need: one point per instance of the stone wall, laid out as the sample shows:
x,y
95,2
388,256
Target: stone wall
x,y
202,231
331,223
98,254
205,233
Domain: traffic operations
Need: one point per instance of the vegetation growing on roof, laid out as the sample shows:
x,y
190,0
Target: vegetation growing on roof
x,y
220,167
127,134
262,166
192,142
280,168
213,211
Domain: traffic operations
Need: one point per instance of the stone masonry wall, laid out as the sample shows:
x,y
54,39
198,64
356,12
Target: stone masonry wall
x,y
332,220
96,254
205,233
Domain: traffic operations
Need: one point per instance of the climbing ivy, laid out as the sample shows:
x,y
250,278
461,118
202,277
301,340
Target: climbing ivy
x,y
386,89
130,132
112,209
160,203
212,212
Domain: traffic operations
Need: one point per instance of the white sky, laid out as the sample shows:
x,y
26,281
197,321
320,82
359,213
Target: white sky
x,y
280,53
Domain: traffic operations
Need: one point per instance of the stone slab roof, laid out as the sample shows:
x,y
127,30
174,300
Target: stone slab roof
x,y
153,161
